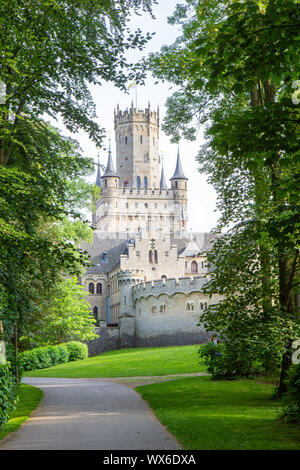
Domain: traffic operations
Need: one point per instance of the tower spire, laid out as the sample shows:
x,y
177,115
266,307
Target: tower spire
x,y
98,178
163,183
178,175
110,169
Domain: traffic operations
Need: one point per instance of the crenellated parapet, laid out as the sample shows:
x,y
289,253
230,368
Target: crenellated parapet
x,y
183,285
136,115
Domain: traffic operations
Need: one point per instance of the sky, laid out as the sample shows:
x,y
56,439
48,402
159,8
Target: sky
x,y
202,197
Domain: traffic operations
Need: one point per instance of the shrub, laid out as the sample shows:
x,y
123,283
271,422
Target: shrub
x,y
54,354
30,360
48,356
291,399
8,393
63,354
77,350
229,360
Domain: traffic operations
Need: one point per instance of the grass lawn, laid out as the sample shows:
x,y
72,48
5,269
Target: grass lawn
x,y
220,415
129,363
29,399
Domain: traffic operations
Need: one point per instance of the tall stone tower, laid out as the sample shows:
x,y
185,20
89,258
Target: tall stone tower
x,y
137,134
135,198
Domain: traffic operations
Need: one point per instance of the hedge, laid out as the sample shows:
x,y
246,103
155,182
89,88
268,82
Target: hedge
x,y
8,393
77,350
48,356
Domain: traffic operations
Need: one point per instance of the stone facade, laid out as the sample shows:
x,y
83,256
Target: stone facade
x,y
146,281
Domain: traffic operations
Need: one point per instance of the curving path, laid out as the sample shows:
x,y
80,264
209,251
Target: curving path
x,y
89,414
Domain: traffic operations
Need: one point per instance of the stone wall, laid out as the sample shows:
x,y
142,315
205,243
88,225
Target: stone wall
x,y
108,340
168,312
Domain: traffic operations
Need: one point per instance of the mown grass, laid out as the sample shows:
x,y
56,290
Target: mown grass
x,y
129,363
29,398
221,415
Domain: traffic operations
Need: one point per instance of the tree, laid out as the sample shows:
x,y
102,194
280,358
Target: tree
x,y
234,66
51,51
67,316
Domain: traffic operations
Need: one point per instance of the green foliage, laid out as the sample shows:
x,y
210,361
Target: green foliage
x,y
291,399
38,358
76,350
67,315
28,399
230,360
8,393
48,356
233,67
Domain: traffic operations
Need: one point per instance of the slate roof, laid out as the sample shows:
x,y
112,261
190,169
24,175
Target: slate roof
x,y
110,169
163,183
114,247
203,240
178,175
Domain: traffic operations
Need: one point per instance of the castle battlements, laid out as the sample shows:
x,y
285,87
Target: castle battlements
x,y
183,285
136,115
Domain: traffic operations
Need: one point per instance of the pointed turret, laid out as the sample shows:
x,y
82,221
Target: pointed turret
x,y
178,175
110,169
98,178
163,183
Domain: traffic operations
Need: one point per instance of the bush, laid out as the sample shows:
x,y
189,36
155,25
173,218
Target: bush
x,y
76,350
291,399
8,393
229,360
48,356
54,354
63,354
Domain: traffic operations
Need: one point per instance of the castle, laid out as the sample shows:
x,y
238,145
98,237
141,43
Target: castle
x,y
147,274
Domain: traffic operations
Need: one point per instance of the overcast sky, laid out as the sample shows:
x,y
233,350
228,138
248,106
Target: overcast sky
x,y
202,198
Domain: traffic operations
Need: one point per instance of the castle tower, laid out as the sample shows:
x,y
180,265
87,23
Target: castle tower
x,y
179,186
137,134
110,195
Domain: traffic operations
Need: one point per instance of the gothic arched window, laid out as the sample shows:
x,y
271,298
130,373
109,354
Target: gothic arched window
x,y
91,288
150,256
155,257
95,312
194,267
138,182
145,182
99,288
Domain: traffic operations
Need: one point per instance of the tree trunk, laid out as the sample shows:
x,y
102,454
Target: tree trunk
x,y
16,352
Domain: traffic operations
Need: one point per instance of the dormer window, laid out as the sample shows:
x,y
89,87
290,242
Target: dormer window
x,y
104,257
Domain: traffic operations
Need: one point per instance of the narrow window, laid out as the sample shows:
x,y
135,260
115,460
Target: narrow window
x,y
155,257
105,183
126,140
138,182
91,288
104,257
145,182
141,139
150,256
194,267
95,312
99,288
